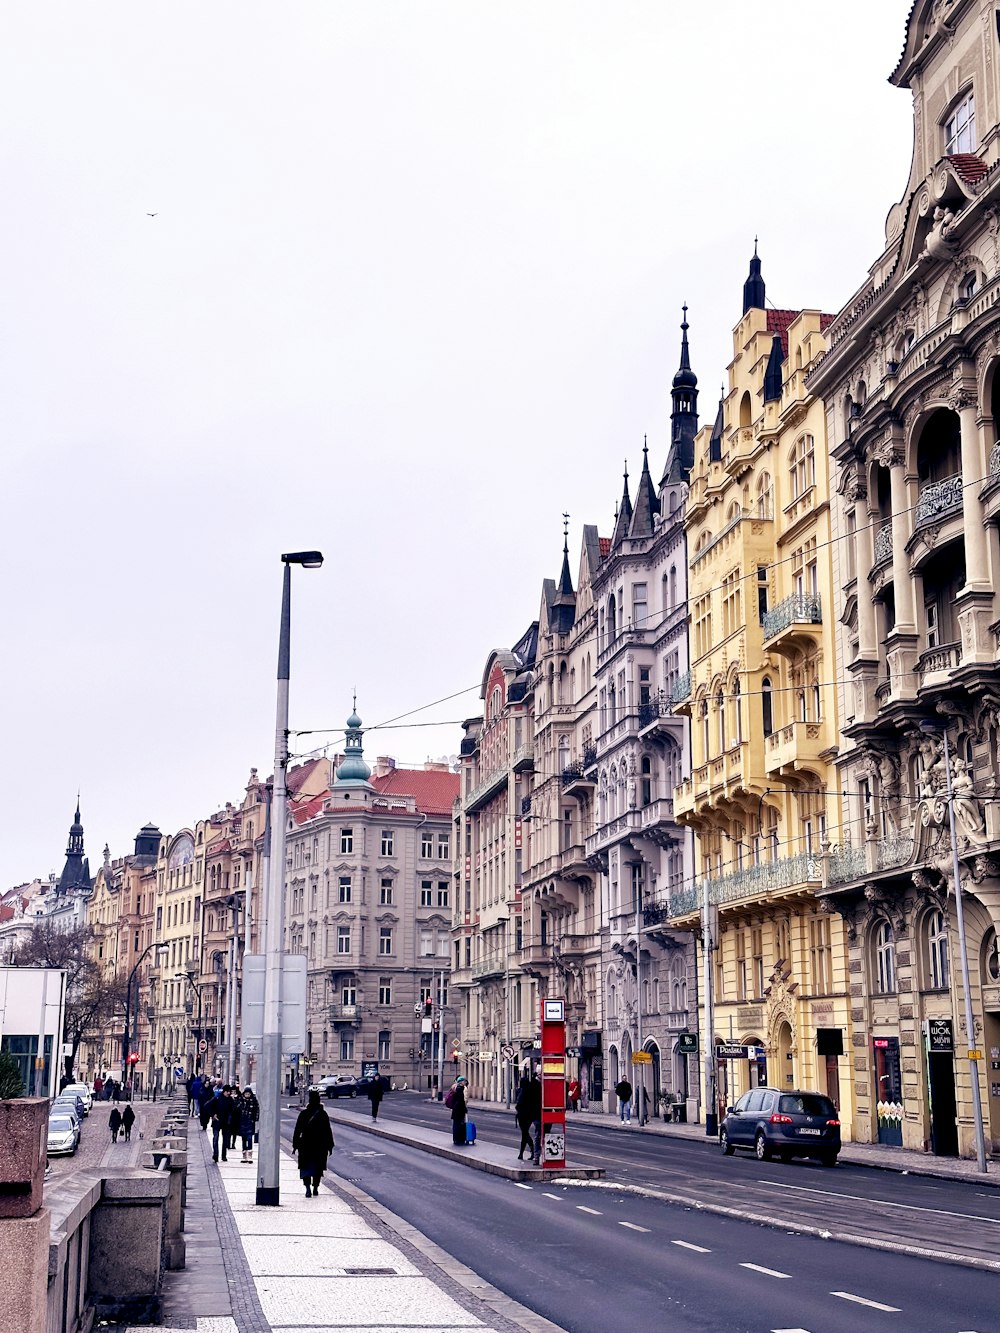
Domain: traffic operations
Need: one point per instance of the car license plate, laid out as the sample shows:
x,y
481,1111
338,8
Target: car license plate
x,y
810,1131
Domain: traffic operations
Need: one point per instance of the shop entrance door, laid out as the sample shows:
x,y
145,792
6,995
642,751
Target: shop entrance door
x,y
944,1129
888,1090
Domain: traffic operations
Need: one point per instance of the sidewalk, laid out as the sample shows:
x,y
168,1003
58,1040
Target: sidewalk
x,y
337,1262
875,1155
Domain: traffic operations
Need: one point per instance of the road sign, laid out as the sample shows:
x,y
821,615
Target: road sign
x,y
975,1055
507,1051
455,1043
248,1047
642,1058
203,1046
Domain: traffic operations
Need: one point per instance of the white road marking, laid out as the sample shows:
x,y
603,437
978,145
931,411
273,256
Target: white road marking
x,y
632,1227
860,1300
557,1197
686,1245
768,1272
367,1154
789,1330
582,1207
522,1187
883,1203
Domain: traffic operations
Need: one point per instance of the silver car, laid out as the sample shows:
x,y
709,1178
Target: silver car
x,y
64,1136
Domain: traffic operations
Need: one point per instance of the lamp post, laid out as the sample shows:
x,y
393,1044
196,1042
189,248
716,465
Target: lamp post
x,y
161,952
189,978
929,727
269,1154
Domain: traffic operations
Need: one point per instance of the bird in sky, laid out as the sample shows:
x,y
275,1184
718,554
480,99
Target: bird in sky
x,y
152,215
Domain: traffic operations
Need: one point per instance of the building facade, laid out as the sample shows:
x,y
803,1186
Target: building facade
x,y
910,383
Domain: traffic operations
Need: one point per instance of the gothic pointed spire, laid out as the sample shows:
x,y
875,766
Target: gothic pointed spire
x,y
683,413
624,515
646,503
718,430
76,871
565,581
772,375
753,288
685,375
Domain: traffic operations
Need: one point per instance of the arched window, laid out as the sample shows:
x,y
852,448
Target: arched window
x,y
746,410
766,706
960,126
720,711
611,619
646,783
938,972
737,715
991,959
705,736
765,503
885,959
673,585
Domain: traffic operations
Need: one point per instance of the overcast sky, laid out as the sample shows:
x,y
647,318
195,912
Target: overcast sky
x,y
412,289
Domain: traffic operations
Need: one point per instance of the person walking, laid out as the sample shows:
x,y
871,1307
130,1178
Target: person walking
x,y
623,1091
249,1111
313,1141
574,1094
219,1118
524,1116
459,1111
128,1120
114,1123
376,1092
194,1095
116,1091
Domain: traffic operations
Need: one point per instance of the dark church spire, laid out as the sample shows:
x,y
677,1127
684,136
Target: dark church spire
x,y
772,375
646,503
76,871
683,414
624,520
718,430
753,288
565,582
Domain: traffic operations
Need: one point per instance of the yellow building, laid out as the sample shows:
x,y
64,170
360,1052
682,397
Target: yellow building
x,y
762,797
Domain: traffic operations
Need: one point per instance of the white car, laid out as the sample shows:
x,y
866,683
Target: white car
x,y
64,1136
83,1092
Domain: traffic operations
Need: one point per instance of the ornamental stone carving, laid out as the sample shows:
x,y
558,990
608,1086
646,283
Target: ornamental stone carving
x,y
887,452
962,395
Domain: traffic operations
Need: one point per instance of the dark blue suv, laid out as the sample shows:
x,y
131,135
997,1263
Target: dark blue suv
x,y
783,1124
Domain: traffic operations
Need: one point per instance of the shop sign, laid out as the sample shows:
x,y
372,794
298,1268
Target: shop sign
x,y
940,1035
729,1051
687,1043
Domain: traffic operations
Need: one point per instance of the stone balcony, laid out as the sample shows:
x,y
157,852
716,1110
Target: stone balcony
x,y
656,822
938,500
793,748
494,964
615,830
789,627
935,666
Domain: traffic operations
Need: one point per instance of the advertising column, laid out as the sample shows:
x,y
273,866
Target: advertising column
x,y
553,1084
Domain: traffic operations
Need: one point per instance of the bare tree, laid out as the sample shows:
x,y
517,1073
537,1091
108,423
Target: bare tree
x,y
92,995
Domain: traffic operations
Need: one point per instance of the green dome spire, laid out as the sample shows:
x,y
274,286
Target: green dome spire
x,y
352,768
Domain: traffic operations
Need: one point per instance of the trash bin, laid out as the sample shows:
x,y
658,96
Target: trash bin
x,y
678,1113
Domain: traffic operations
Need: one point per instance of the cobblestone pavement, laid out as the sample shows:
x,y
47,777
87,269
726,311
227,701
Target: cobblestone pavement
x,y
96,1148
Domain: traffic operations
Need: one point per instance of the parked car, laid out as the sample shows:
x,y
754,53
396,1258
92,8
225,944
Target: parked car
x,y
772,1123
63,1106
64,1136
71,1100
83,1092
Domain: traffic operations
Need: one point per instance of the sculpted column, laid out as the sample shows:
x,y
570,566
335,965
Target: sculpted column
x,y
901,643
864,668
975,601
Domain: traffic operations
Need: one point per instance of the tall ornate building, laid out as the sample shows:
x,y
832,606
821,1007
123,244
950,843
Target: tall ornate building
x,y
762,794
368,900
639,755
910,382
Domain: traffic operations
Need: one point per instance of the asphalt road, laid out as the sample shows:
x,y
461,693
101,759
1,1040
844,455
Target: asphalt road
x,y
942,1217
594,1260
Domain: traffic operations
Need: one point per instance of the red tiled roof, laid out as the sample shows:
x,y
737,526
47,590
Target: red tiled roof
x,y
825,321
605,546
778,322
297,776
219,846
306,809
6,913
435,791
970,167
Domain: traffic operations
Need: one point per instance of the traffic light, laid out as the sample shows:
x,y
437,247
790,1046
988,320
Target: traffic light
x,y
428,1007
454,1057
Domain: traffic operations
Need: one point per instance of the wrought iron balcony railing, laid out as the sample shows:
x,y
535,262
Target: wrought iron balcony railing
x,y
937,498
802,608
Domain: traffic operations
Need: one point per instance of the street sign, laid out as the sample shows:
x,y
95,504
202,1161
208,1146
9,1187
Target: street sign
x,y
642,1058
203,1046
507,1051
975,1055
730,1051
687,1043
455,1043
248,1047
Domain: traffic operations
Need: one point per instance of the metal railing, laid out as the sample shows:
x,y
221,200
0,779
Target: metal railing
x,y
769,876
681,688
845,863
883,544
938,497
802,608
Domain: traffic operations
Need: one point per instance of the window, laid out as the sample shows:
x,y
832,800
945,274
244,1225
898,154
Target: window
x,y
885,959
933,624
757,948
346,1047
639,605
385,893
937,951
387,842
346,840
968,287
384,1044
343,939
720,714
345,888
820,955
443,940
731,619
741,965
766,706
426,893
385,990
646,781
426,941
762,592
442,893
427,844
802,466
384,940
444,847
960,127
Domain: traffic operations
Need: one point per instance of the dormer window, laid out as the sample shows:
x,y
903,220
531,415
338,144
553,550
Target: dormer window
x,y
960,127
968,287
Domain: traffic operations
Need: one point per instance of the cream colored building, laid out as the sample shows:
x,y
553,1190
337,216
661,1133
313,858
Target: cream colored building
x,y
762,795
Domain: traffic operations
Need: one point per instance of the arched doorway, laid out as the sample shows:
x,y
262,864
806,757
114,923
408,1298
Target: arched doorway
x,y
783,1075
654,1086
613,1077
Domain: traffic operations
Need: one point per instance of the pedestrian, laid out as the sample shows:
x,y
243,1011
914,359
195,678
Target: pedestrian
x,y
194,1095
623,1091
376,1092
114,1123
313,1141
128,1120
459,1110
232,1116
219,1117
574,1094
525,1117
98,1087
535,1103
249,1113
116,1091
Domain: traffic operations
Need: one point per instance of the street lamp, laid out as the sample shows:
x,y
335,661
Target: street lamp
x,y
189,978
269,1153
929,727
161,952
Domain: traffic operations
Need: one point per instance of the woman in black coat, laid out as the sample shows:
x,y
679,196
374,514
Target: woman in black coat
x,y
114,1123
313,1141
525,1117
459,1110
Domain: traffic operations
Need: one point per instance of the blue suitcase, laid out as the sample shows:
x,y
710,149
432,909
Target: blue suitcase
x,y
470,1131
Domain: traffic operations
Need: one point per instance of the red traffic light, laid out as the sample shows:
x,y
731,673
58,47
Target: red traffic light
x,y
133,1059
428,1007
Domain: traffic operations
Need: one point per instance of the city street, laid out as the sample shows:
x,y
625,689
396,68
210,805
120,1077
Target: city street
x,y
589,1258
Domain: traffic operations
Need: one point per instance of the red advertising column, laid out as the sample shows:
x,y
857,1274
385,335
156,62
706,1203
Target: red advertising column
x,y
553,1084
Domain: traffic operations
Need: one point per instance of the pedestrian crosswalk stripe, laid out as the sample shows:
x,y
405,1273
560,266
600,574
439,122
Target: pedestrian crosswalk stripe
x,y
768,1272
687,1245
860,1300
